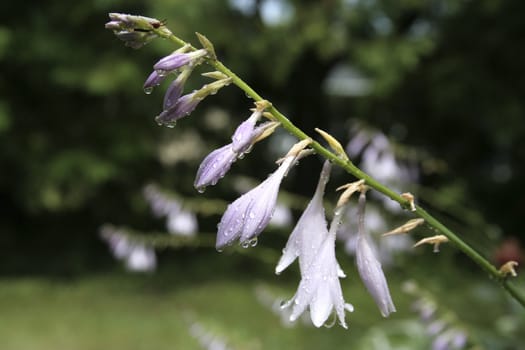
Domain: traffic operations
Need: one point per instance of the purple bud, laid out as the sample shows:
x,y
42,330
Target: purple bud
x,y
248,215
177,60
176,87
184,106
244,134
153,80
214,167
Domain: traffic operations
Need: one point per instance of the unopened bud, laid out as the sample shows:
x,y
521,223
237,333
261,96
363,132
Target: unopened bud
x,y
435,240
407,227
334,144
508,268
410,198
349,190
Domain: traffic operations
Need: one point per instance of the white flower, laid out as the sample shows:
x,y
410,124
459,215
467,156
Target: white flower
x,y
320,289
310,231
369,267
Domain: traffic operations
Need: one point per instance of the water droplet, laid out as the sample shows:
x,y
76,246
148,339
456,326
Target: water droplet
x,y
162,72
219,250
245,244
201,189
148,90
253,242
252,215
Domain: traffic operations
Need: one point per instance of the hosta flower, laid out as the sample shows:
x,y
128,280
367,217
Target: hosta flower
x,y
248,215
310,230
174,91
154,79
214,167
177,60
217,163
369,267
184,105
319,289
181,108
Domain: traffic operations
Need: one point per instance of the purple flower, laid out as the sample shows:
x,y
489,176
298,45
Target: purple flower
x,y
177,60
244,134
248,215
176,87
218,162
183,107
214,167
154,79
369,267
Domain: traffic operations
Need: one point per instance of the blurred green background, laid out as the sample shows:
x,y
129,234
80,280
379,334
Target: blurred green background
x,y
443,79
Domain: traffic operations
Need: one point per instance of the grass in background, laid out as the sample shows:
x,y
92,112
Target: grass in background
x,y
122,311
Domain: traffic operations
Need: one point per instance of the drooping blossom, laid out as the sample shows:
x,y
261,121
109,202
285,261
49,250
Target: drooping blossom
x,y
310,230
320,289
248,215
369,267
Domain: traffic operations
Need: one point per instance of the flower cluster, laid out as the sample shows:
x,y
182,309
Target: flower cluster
x,y
312,241
314,246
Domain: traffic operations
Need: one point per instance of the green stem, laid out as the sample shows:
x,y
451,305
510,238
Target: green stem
x,y
347,165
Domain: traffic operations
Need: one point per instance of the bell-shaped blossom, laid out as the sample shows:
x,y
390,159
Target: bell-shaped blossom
x,y
248,215
177,60
310,230
369,267
214,167
320,289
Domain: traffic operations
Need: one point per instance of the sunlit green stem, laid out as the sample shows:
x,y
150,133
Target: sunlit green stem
x,y
372,183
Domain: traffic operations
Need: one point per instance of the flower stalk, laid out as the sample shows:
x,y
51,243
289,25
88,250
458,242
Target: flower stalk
x,y
349,167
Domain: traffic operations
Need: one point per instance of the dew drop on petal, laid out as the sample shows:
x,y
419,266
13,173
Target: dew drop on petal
x,y
148,90
253,242
245,244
